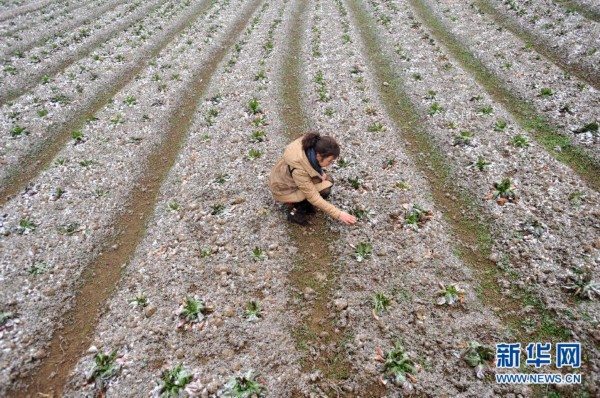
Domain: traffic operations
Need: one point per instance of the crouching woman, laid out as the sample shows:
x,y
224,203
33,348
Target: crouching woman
x,y
300,180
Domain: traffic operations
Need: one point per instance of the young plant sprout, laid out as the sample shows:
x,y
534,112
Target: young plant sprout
x,y
254,106
534,228
479,357
258,255
380,303
397,366
416,216
360,213
105,367
583,286
363,251
69,229
481,164
17,131
519,141
174,206
258,136
252,313
588,128
5,317
342,162
140,301
577,198
500,125
355,182
217,209
26,226
402,185
465,138
450,294
193,311
254,153
174,381
38,269
389,163
244,386
504,192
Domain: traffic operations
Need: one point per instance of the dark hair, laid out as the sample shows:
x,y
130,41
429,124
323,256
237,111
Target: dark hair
x,y
323,145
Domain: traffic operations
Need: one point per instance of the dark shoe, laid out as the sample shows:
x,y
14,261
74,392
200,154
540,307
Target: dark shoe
x,y
296,215
306,207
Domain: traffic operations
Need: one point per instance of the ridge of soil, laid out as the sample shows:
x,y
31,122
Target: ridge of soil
x,y
579,8
24,10
102,275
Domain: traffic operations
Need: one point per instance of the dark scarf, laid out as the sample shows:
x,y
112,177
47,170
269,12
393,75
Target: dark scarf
x,y
311,154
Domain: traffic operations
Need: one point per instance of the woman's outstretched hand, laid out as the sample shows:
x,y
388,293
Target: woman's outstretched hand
x,y
347,218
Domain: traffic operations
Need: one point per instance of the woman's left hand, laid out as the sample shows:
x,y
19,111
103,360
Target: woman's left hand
x,y
323,176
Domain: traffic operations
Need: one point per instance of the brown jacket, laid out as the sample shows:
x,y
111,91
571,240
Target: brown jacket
x,y
304,182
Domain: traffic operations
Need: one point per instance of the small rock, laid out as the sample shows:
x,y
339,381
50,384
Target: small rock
x,y
179,354
92,350
150,310
341,304
228,311
39,354
493,257
238,200
308,291
386,84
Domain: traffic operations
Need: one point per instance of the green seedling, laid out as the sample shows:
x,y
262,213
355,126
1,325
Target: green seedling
x,y
588,128
130,100
583,285
435,108
486,110
465,138
77,136
252,313
105,367
173,382
69,229
481,164
258,255
17,131
431,94
355,182
397,366
371,111
221,178
329,111
360,213
363,251
380,303
546,92
243,387
577,198
217,209
174,206
375,127
86,163
205,252
417,77
342,162
60,161
258,136
262,75
402,185
519,141
193,310
416,216
140,301
254,106
450,294
535,228
479,357
100,193
118,119
5,317
38,269
259,121
254,153
42,112
26,226
504,192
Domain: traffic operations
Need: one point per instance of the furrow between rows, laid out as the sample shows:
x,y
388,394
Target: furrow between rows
x,y
589,11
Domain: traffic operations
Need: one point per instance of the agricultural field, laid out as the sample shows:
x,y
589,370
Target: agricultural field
x,y
142,254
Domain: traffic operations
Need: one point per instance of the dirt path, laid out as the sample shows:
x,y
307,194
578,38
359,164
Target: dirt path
x,y
103,275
